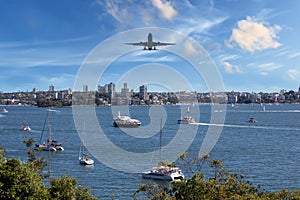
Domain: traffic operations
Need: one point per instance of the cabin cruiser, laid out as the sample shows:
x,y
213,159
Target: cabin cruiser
x,y
164,173
125,121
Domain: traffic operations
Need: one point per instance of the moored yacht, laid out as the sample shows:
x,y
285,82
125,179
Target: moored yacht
x,y
50,145
84,157
164,173
125,121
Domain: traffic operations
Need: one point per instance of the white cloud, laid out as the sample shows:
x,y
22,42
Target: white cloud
x,y
293,74
295,55
253,36
114,9
165,8
231,69
269,66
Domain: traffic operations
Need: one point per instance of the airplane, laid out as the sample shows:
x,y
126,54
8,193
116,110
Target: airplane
x,y
150,45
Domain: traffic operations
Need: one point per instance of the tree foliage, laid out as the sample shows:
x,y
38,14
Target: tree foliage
x,y
221,185
23,180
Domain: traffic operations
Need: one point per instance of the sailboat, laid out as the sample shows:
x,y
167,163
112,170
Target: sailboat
x,y
50,145
186,119
163,172
83,157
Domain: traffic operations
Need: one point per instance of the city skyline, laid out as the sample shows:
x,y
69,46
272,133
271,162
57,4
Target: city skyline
x,y
253,44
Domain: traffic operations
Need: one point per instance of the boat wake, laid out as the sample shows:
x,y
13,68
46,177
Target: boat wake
x,y
248,126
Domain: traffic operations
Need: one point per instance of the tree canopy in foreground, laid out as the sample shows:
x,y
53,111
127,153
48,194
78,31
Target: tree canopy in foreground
x,y
24,180
222,185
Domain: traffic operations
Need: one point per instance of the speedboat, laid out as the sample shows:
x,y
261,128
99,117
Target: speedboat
x,y
125,121
25,128
164,173
3,110
84,160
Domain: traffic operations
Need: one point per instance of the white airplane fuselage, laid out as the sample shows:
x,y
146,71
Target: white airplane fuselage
x,y
150,41
149,44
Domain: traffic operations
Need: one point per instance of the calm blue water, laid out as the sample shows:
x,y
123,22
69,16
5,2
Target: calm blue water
x,y
267,152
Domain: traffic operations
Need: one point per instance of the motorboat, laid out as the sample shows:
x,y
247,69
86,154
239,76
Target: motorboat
x,y
125,121
251,120
164,173
186,119
50,145
84,157
3,110
25,128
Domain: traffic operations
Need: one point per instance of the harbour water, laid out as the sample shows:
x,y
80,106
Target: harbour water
x,y
266,152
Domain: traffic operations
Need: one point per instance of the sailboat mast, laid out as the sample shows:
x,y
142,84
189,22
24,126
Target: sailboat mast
x,y
160,141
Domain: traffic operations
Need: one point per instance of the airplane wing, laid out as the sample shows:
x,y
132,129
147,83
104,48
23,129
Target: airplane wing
x,y
162,44
138,44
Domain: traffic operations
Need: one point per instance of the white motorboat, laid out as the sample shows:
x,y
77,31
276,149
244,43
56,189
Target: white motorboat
x,y
25,128
84,157
125,121
186,119
164,173
50,145
3,110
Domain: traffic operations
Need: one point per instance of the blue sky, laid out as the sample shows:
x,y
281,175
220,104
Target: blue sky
x,y
254,44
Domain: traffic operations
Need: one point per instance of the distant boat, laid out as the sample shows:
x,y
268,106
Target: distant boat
x,y
50,145
166,173
84,157
25,128
125,121
186,119
161,172
251,120
3,110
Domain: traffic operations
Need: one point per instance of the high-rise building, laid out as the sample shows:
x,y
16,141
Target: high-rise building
x,y
143,95
85,88
111,90
51,88
125,91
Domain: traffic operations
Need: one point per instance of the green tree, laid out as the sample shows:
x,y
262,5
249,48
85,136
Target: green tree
x,y
66,188
223,185
23,180
20,181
